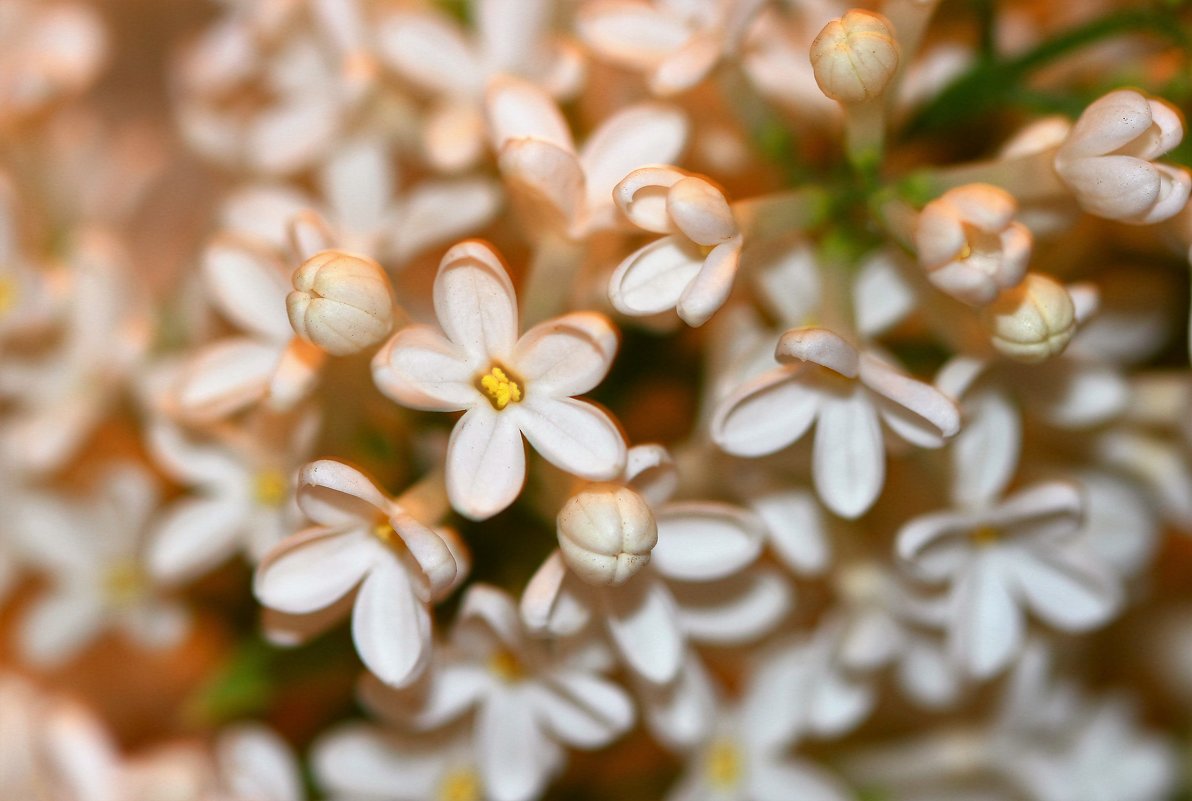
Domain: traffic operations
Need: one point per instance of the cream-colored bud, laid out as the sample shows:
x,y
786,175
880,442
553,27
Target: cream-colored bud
x,y
606,534
1033,321
341,302
855,57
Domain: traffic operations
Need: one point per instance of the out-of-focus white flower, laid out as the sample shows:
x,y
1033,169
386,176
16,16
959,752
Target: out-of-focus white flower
x,y
243,494
47,51
1023,551
690,270
969,243
368,763
364,539
527,700
1108,159
31,292
675,44
341,302
90,550
697,583
775,59
1031,322
563,191
430,50
509,386
848,394
255,764
855,57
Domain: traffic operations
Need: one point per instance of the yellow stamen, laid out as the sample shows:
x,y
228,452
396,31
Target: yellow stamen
x,y
8,294
500,388
123,583
985,535
385,532
270,487
460,784
506,666
723,764
965,252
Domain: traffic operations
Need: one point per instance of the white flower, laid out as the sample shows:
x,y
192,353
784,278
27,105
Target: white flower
x,y
1000,556
257,765
526,698
508,386
1108,159
676,44
969,243
90,549
341,302
847,394
692,269
563,191
243,494
696,584
364,539
431,51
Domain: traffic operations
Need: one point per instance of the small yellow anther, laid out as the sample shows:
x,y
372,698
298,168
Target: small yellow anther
x,y
385,532
500,388
270,487
460,785
985,535
8,294
506,666
123,583
723,764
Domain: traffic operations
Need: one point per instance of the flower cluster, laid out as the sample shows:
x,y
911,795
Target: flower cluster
x,y
776,400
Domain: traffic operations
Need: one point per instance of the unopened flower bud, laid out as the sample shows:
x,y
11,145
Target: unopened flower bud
x,y
341,302
1033,321
606,534
855,57
969,243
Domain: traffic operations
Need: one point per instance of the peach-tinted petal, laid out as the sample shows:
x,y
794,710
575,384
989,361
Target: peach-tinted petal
x,y
486,462
568,355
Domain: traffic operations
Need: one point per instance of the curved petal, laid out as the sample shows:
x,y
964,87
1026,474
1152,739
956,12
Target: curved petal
x,y
338,495
313,569
654,278
848,458
573,435
421,369
648,133
631,33
644,624
491,608
734,611
985,452
818,346
250,285
193,536
429,50
486,462
452,691
766,414
986,626
583,710
356,759
517,109
798,531
226,376
358,182
568,355
703,540
711,287
642,197
390,626
545,181
930,407
475,302
1067,587
549,602
439,211
256,763
513,754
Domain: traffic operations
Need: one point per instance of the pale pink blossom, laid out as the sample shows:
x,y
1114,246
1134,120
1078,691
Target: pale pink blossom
x,y
364,541
507,386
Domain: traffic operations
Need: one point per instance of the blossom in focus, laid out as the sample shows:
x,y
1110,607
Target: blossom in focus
x,y
507,386
364,541
1108,159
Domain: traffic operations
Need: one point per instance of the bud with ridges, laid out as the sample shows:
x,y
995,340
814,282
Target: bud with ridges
x,y
855,57
1033,321
341,302
606,533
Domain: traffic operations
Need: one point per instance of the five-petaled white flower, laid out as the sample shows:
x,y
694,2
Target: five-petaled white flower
x,y
364,538
507,386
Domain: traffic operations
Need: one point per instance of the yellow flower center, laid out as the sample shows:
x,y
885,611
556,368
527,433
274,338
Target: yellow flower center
x,y
506,666
123,583
723,764
460,784
385,532
270,487
8,294
500,388
985,535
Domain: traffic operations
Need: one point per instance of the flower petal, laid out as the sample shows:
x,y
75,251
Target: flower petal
x,y
514,755
390,626
517,109
704,540
818,346
475,302
736,610
583,710
545,181
798,532
58,626
313,569
771,780
654,278
549,602
849,460
226,376
568,355
644,624
929,408
648,133
630,33
250,286
573,435
986,626
360,760
985,452
193,536
439,211
486,462
429,50
766,414
338,495
1067,587
421,369
711,287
